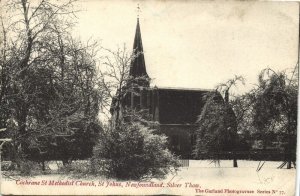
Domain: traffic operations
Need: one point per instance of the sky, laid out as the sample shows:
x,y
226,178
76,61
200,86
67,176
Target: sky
x,y
198,44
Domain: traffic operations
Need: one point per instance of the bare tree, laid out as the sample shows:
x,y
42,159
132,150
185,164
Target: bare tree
x,y
116,81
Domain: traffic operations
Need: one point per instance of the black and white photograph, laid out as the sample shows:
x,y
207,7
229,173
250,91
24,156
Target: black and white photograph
x,y
159,97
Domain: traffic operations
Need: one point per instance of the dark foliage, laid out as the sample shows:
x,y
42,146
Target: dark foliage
x,y
48,93
275,109
131,150
217,131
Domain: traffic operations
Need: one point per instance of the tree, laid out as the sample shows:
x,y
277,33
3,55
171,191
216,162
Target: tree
x,y
48,79
217,132
275,108
242,106
117,82
114,80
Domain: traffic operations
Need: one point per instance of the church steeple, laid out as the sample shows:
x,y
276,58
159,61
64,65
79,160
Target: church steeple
x,y
138,67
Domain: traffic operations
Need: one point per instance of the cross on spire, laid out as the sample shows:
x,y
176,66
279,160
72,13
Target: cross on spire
x,y
138,11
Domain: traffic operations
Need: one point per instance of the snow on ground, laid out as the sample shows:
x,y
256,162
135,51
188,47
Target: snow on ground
x,y
229,164
245,177
201,177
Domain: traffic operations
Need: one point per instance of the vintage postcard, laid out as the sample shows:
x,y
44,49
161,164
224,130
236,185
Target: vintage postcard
x,y
183,97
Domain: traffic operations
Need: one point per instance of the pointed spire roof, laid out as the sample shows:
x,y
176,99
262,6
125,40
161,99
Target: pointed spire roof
x,y
138,67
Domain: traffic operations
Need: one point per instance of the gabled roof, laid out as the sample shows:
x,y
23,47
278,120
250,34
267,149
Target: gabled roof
x,y
182,89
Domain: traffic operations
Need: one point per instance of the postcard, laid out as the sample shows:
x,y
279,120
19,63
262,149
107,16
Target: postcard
x,y
155,97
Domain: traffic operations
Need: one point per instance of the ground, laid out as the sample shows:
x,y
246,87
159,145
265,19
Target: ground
x,y
200,178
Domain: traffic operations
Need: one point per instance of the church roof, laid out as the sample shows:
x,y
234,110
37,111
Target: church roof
x,y
182,89
138,67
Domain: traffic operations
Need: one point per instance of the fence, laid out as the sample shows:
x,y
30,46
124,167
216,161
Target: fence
x,y
256,155
184,162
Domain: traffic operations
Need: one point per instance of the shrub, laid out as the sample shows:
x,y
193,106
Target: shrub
x,y
133,151
28,168
77,169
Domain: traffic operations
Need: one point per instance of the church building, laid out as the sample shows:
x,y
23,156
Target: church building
x,y
175,109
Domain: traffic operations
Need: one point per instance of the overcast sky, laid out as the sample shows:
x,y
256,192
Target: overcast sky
x,y
198,44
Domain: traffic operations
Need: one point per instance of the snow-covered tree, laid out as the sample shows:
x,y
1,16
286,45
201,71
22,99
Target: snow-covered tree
x,y
133,151
217,132
275,108
48,78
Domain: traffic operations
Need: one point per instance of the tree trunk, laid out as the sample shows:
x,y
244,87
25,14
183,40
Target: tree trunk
x,y
289,148
235,164
43,165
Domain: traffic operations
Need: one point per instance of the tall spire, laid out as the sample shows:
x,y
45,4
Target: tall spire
x,y
138,67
